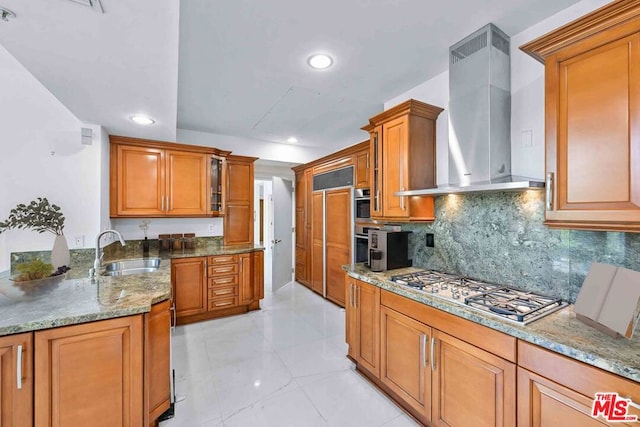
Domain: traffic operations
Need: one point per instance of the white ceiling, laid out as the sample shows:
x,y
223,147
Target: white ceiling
x,y
241,68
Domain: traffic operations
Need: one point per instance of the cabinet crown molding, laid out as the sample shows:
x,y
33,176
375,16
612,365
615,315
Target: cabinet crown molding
x,y
411,107
115,139
613,14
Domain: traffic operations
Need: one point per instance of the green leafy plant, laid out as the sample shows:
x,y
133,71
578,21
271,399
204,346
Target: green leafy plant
x,y
39,215
33,270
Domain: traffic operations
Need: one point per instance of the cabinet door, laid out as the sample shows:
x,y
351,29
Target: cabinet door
x,y
246,279
188,278
404,360
308,178
593,144
395,149
16,380
137,181
157,349
351,317
317,242
544,403
90,374
258,274
367,301
187,183
376,177
362,169
238,221
471,384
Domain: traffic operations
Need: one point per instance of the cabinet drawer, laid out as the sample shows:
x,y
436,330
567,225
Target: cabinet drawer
x,y
217,270
220,303
223,292
223,281
222,259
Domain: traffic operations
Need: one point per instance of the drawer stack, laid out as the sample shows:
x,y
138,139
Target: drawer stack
x,y
222,278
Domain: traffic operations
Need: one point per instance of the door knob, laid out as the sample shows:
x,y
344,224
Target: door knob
x,y
275,242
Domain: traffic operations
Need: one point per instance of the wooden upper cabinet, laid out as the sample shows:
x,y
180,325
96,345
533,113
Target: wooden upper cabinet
x,y
187,183
16,385
403,157
137,181
361,169
161,179
592,118
238,221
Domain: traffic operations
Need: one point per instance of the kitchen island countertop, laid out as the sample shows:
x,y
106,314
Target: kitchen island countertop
x,y
560,332
74,299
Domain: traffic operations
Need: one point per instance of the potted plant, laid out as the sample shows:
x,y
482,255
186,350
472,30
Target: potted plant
x,y
41,216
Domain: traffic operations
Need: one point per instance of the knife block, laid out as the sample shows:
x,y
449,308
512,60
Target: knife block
x,y
609,300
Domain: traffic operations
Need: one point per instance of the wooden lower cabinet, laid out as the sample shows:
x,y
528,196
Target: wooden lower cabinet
x,y
16,380
470,385
554,390
363,323
157,361
404,366
189,281
90,374
222,285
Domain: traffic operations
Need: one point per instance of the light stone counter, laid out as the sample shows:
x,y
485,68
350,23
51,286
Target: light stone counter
x,y
560,331
74,299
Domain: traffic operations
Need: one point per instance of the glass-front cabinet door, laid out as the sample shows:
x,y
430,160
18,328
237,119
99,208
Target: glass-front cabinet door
x,y
217,185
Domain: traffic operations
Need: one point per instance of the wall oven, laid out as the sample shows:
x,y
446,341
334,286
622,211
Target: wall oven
x,y
362,208
362,241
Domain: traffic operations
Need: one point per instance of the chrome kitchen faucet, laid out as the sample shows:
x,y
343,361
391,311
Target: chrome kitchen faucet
x,y
97,263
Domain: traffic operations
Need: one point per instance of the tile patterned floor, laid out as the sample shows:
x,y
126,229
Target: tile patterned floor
x,y
284,365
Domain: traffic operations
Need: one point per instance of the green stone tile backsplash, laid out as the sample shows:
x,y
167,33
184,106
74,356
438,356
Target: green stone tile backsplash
x,y
500,237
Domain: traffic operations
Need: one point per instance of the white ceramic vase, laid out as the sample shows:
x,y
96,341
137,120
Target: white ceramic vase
x,y
60,253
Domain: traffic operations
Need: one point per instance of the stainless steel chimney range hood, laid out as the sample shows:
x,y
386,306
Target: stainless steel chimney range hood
x,y
480,118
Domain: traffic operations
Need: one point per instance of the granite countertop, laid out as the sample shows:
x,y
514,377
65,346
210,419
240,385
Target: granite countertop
x,y
73,299
560,331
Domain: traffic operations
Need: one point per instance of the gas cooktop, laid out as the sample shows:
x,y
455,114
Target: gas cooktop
x,y
505,302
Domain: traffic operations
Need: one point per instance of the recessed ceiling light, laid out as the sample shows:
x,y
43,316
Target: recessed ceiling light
x,y
142,120
320,61
292,140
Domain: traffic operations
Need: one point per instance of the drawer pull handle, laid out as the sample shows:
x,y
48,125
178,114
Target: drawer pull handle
x,y
433,350
223,292
222,304
423,350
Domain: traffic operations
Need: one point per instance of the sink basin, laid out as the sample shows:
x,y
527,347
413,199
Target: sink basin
x,y
131,266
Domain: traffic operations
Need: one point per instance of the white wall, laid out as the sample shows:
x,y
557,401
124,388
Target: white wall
x,y
527,98
33,123
252,147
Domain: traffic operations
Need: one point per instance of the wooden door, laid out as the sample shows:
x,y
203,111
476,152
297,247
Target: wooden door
x,y
395,166
338,205
16,384
317,242
404,360
157,369
362,169
308,178
90,374
258,274
544,403
238,221
137,181
593,138
188,278
188,184
245,277
471,384
367,301
376,171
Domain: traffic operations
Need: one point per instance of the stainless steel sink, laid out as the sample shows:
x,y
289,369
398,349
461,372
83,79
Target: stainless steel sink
x,y
131,266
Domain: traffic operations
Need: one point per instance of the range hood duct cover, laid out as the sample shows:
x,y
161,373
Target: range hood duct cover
x,y
480,117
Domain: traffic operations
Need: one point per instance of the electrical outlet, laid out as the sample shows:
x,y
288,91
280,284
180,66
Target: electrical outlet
x,y
212,228
430,240
78,241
